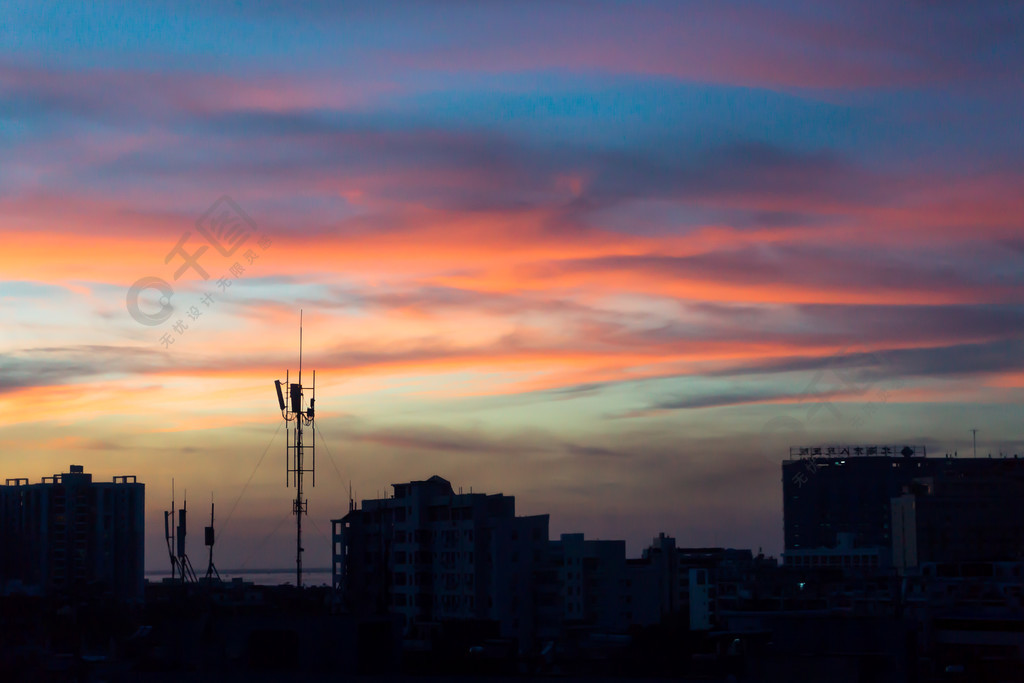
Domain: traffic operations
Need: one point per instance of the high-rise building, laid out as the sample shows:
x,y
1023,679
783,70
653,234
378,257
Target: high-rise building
x,y
69,535
957,516
845,493
432,555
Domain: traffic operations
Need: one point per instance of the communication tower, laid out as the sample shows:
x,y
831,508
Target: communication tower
x,y
296,410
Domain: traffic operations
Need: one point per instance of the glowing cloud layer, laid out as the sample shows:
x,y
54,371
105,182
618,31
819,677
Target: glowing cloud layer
x,y
610,259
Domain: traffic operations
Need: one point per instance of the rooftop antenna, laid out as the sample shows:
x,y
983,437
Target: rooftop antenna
x,y
974,432
211,569
295,410
169,534
188,575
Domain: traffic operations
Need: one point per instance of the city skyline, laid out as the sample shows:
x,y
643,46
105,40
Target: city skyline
x,y
611,260
799,465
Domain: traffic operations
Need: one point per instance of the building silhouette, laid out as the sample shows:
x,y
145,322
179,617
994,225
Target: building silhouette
x,y
837,501
434,556
69,536
592,577
961,516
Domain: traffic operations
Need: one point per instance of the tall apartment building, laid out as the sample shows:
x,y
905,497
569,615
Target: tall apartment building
x,y
432,555
69,535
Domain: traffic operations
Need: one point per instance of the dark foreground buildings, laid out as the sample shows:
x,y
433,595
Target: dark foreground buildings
x,y
435,557
897,567
70,536
907,569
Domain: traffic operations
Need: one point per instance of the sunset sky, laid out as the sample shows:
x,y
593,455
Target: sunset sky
x,y
610,258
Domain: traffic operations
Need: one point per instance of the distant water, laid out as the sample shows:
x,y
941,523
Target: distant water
x,y
316,576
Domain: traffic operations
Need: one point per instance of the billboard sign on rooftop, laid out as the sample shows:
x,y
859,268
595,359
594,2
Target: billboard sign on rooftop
x,y
906,451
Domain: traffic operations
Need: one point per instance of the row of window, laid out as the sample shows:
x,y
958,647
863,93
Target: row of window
x,y
450,580
448,602
832,560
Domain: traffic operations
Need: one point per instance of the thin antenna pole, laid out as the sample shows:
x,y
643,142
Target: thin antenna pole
x,y
174,528
298,475
974,432
169,534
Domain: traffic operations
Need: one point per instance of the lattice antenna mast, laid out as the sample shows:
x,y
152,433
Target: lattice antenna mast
x,y
296,410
